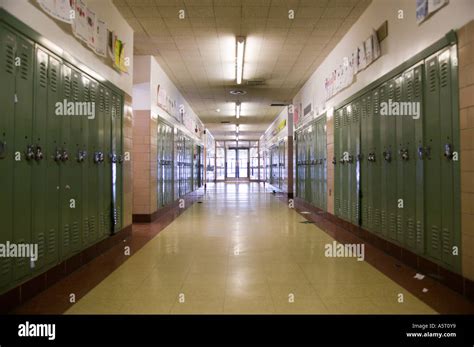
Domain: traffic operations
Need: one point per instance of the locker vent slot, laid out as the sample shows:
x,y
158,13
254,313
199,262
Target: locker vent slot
x,y
435,237
41,246
444,73
86,228
86,92
67,85
66,234
411,229
92,226
75,233
432,80
51,241
53,80
25,66
75,90
43,75
417,88
446,242
10,59
5,265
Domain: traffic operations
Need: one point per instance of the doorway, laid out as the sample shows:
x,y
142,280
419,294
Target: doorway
x,y
237,167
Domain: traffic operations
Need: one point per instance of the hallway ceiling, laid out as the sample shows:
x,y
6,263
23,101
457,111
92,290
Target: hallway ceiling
x,y
198,52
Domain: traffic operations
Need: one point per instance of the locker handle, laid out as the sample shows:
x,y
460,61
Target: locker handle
x,y
448,151
64,156
404,154
3,149
38,153
371,157
387,155
97,157
334,160
342,161
58,156
350,159
424,152
30,154
81,156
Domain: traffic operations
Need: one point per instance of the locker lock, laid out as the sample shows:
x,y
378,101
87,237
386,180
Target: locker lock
x,y
422,152
448,151
64,156
81,156
113,157
404,153
30,154
57,156
387,155
350,159
334,160
3,149
38,153
96,157
371,157
342,161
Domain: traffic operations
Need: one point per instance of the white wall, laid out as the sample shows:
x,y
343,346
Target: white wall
x,y
267,140
60,34
405,39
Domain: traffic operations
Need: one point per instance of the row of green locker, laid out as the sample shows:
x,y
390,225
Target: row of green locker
x,y
311,163
60,169
396,160
180,164
276,166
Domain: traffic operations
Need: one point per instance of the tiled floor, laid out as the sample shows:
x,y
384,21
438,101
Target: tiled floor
x,y
243,251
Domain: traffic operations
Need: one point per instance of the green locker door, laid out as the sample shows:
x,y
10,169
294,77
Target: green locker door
x,y
345,148
448,143
406,166
7,152
107,165
375,152
75,184
52,143
324,166
337,162
387,135
23,144
312,138
117,160
396,214
100,161
92,164
39,189
364,163
82,158
353,165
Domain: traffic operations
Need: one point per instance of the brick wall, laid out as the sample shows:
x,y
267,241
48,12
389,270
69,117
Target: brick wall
x,y
141,162
466,104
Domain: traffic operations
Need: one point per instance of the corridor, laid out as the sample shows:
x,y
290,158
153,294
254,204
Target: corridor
x,y
241,249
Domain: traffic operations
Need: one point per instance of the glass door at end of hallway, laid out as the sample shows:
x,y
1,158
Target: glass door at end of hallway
x,y
237,164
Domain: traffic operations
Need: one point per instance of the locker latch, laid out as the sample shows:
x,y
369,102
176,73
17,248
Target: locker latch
x,y
57,156
30,154
113,157
404,153
387,155
342,161
96,157
334,160
371,157
38,153
81,156
448,151
64,156
424,152
3,149
350,159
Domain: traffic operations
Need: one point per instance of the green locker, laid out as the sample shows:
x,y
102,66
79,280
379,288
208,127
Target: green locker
x,y
307,165
364,163
92,165
353,164
386,160
324,163
312,136
82,158
117,160
23,144
440,169
7,150
107,192
345,149
39,189
406,167
375,157
337,162
100,162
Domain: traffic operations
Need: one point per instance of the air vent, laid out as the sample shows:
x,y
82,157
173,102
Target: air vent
x,y
255,83
225,122
238,92
279,104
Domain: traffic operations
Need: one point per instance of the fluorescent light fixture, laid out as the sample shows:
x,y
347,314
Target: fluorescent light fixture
x,y
237,128
237,138
237,109
240,41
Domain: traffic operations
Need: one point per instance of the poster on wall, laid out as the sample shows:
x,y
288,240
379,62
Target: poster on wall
x,y
116,49
421,10
91,28
79,24
100,38
435,5
58,9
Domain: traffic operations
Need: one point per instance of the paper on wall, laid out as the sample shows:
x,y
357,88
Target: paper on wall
x,y
79,24
362,60
58,9
101,38
91,28
421,10
435,5
375,45
368,51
